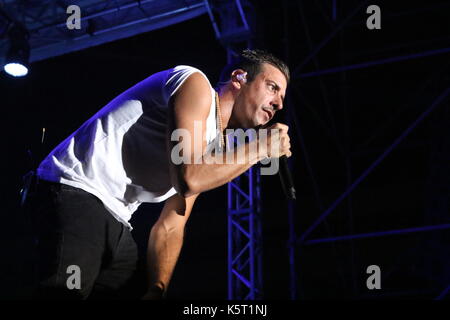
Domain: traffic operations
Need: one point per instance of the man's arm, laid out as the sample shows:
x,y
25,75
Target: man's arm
x,y
191,104
165,242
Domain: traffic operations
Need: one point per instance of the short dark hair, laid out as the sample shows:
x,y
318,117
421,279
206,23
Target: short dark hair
x,y
251,62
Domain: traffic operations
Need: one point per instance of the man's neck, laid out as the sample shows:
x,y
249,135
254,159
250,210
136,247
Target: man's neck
x,y
226,102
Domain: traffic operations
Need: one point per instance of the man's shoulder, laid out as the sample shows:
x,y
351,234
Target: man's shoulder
x,y
188,78
185,67
186,70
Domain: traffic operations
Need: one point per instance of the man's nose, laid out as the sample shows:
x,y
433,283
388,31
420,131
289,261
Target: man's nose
x,y
278,105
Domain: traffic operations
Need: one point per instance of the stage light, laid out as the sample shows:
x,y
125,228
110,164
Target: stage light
x,y
16,69
16,62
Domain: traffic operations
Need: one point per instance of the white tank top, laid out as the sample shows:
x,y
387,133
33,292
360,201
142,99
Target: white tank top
x,y
120,154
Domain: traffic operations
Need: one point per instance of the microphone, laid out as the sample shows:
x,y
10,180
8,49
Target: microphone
x,y
286,178
285,175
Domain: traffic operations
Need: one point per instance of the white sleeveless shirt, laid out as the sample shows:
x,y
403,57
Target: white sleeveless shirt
x,y
120,154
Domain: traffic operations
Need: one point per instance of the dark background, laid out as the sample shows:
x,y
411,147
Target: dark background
x,y
343,121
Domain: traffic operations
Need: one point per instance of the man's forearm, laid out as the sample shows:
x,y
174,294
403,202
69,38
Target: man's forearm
x,y
216,169
164,247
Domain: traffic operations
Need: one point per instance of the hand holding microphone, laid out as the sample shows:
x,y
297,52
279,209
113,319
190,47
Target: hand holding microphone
x,y
278,146
282,151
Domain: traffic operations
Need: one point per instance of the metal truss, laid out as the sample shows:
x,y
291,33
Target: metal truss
x,y
245,237
230,20
297,241
101,22
233,22
104,21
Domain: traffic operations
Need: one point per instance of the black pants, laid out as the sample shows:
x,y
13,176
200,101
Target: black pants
x,y
82,251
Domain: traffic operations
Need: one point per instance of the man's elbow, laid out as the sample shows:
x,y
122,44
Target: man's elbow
x,y
186,185
185,192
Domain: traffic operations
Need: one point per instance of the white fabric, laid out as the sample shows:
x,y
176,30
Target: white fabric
x,y
120,154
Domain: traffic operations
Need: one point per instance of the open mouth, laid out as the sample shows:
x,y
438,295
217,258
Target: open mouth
x,y
268,113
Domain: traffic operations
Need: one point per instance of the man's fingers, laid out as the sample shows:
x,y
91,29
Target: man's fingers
x,y
280,126
279,140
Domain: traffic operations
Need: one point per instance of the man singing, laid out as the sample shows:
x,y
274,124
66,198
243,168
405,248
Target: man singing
x,y
92,182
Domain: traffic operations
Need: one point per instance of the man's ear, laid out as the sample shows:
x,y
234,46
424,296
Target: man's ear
x,y
238,78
